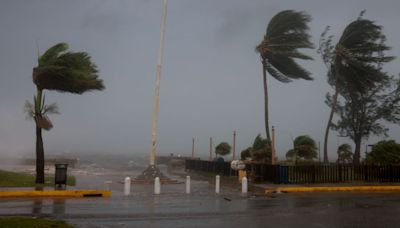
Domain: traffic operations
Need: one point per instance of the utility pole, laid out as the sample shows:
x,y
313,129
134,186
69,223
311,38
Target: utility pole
x,y
154,122
210,158
273,146
193,148
234,145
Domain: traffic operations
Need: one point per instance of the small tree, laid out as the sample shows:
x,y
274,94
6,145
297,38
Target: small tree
x,y
223,149
245,154
386,152
304,147
261,149
344,154
365,114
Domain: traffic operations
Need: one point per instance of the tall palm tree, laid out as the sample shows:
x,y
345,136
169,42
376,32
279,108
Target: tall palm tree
x,y
286,32
354,63
62,71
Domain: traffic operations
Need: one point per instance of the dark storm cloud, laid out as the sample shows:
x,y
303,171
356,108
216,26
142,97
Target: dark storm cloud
x,y
211,78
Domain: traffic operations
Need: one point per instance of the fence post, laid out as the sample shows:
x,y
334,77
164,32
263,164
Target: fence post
x,y
391,173
278,174
244,185
187,184
314,173
127,186
157,186
217,186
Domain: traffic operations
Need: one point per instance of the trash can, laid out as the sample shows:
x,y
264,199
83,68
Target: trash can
x,y
60,177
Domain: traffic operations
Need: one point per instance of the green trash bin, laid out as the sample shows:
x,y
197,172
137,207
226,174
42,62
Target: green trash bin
x,y
60,177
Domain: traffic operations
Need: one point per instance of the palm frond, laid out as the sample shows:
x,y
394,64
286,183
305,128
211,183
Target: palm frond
x,y
50,109
52,54
69,72
29,110
286,33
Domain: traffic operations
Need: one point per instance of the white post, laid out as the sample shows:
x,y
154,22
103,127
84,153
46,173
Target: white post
x,y
127,186
217,181
187,184
244,185
157,186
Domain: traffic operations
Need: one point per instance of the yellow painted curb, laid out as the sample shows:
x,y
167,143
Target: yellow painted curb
x,y
57,193
334,189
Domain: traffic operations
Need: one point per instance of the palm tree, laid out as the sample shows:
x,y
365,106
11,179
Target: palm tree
x,y
344,154
286,32
354,63
303,147
62,71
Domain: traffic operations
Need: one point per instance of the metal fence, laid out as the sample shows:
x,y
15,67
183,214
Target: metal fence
x,y
303,174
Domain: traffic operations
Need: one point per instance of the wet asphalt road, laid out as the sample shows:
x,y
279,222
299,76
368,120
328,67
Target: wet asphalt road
x,y
204,208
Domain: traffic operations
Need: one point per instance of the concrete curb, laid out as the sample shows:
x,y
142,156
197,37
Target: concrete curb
x,y
55,193
333,189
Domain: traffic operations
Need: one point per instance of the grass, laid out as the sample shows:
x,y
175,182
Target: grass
x,y
23,222
14,179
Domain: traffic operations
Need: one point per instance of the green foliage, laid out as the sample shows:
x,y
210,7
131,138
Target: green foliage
x,y
386,152
345,154
361,114
259,151
286,33
23,222
355,71
245,154
356,60
65,71
223,149
304,147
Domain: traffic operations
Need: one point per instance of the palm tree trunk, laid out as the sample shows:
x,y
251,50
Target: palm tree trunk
x,y
328,126
39,156
266,114
39,140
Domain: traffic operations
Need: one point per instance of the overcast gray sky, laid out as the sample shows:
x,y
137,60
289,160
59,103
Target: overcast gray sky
x,y
211,81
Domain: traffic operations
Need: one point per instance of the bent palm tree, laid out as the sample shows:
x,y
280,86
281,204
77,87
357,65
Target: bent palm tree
x,y
355,62
62,71
286,33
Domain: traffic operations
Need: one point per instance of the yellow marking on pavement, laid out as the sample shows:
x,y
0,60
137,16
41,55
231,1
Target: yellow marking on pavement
x,y
56,193
333,189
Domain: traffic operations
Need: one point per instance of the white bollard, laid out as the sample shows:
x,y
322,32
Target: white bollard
x,y
244,185
157,186
127,186
217,181
187,184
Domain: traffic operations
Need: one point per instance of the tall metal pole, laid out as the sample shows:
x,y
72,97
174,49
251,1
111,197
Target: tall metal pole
x,y
234,145
154,122
210,158
193,148
273,146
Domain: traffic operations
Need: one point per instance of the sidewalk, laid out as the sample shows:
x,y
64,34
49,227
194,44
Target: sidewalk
x,y
329,187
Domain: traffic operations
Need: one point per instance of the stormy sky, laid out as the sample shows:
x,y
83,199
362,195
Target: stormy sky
x,y
211,82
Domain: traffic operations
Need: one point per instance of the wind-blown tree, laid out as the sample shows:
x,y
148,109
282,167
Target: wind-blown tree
x,y
364,113
344,154
63,71
286,32
303,147
355,62
385,152
223,149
